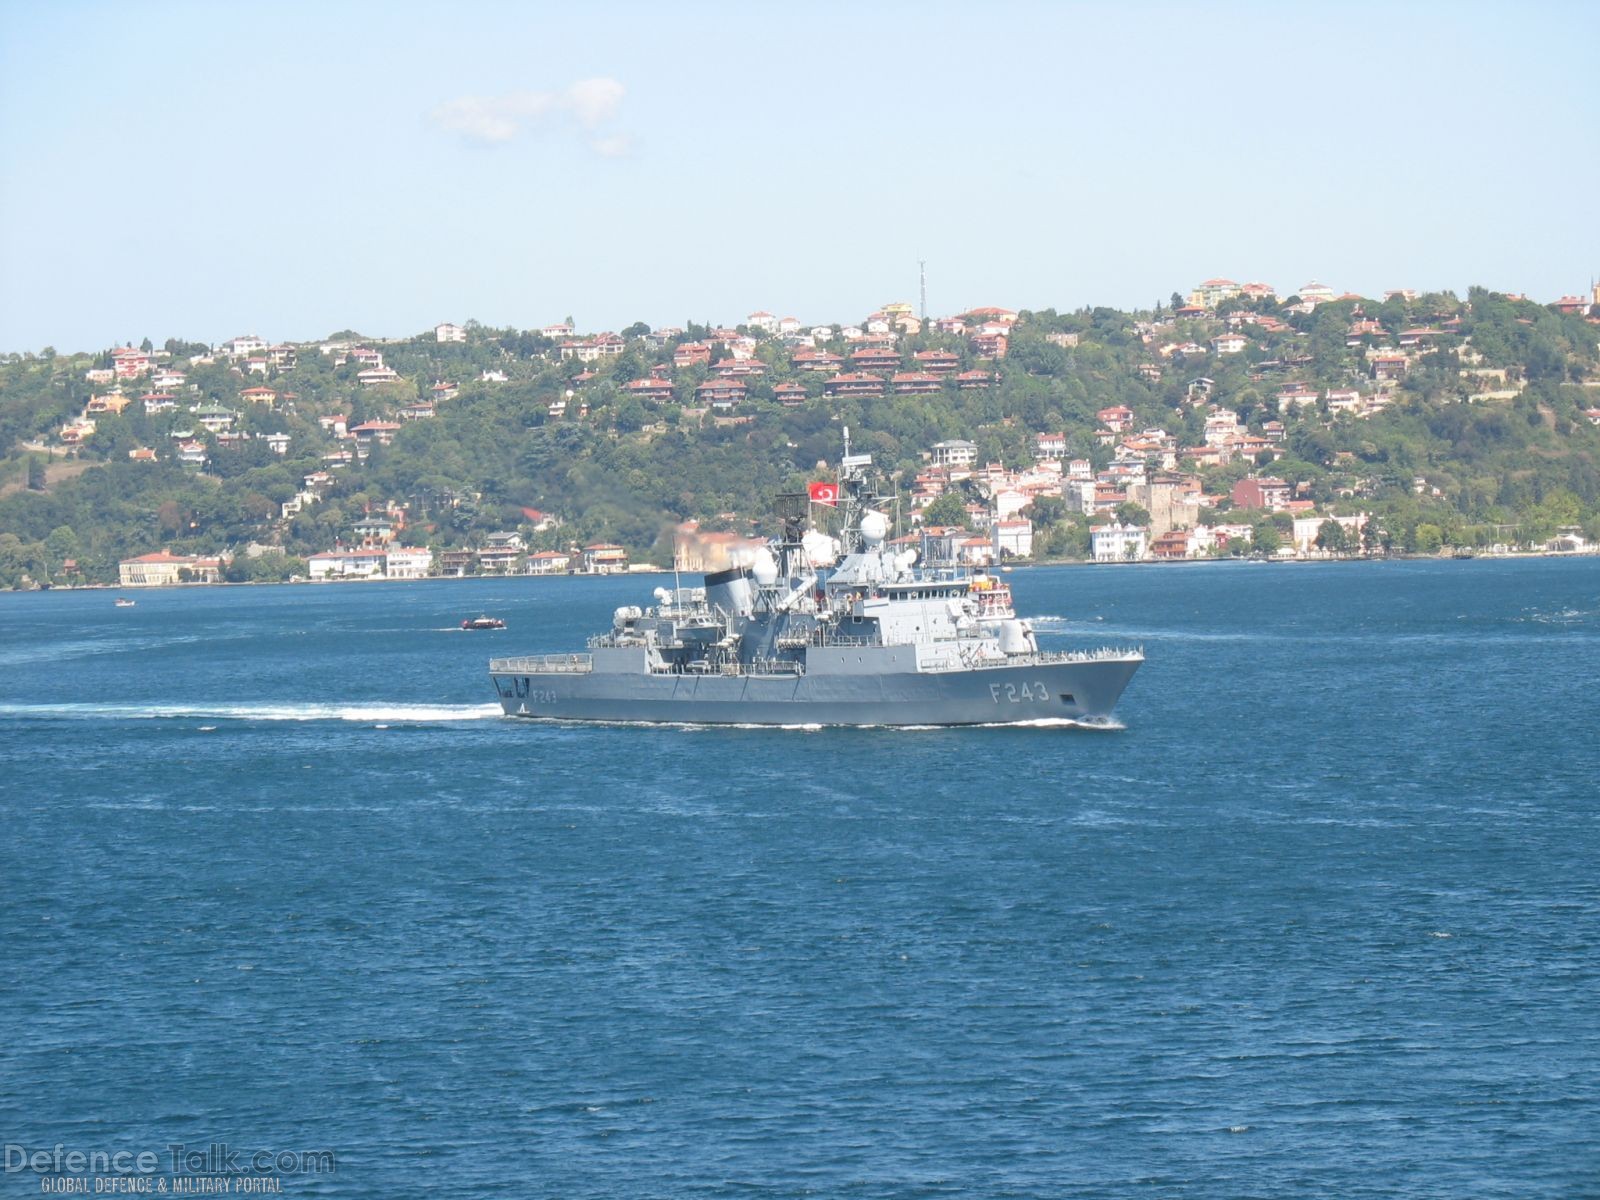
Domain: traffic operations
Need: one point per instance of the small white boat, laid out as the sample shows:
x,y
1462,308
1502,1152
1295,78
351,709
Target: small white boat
x,y
124,602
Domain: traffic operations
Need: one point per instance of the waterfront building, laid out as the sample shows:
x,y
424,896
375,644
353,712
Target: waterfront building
x,y
163,569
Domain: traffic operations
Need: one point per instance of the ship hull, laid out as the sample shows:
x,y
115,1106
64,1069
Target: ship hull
x,y
1085,692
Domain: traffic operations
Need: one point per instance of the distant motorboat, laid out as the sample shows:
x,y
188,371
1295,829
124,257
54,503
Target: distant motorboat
x,y
124,602
483,623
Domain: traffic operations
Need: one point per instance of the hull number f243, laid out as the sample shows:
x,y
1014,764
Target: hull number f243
x,y
1017,693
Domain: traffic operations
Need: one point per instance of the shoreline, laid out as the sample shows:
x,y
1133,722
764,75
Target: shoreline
x,y
1019,566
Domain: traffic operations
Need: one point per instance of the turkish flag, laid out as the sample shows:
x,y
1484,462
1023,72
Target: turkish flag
x,y
824,493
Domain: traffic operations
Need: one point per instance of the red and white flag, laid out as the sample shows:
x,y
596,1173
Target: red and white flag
x,y
824,493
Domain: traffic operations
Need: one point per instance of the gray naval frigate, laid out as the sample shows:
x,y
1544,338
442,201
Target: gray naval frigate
x,y
823,630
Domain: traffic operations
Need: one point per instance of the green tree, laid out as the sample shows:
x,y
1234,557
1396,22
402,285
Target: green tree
x,y
62,544
949,509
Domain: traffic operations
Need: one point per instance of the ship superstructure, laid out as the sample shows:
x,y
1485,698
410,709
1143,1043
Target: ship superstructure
x,y
823,629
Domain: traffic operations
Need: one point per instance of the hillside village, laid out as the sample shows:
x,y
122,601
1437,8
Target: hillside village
x,y
1230,421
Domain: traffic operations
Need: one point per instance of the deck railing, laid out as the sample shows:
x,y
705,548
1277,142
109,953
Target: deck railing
x,y
543,664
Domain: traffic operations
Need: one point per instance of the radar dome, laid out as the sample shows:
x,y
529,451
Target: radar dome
x,y
821,549
765,568
874,527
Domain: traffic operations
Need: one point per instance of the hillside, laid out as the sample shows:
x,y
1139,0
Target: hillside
x,y
1452,421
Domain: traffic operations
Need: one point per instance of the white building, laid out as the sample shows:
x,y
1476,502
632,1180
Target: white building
x,y
346,564
241,347
1119,543
1012,539
1306,530
408,562
447,332
393,562
954,453
163,569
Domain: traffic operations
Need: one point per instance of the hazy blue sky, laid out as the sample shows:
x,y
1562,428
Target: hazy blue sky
x,y
204,170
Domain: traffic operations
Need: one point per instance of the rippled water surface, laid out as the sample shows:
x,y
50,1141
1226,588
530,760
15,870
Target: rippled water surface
x,y
1320,920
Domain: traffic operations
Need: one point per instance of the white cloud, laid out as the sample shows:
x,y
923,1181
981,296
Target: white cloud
x,y
588,104
616,146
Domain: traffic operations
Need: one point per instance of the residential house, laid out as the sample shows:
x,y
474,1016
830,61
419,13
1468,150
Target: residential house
x,y
821,361
363,563
1307,529
721,393
500,552
369,433
913,383
936,362
214,417
1297,395
604,558
653,389
874,360
128,363
606,345
1213,292
1116,418
851,384
110,402
548,562
691,354
1263,492
1012,538
1172,544
408,562
955,453
243,347
1388,366
374,530
456,562
1118,543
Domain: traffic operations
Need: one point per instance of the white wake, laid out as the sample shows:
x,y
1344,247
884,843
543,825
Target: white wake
x,y
372,713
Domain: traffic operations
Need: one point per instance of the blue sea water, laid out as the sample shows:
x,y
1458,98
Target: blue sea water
x,y
1321,919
